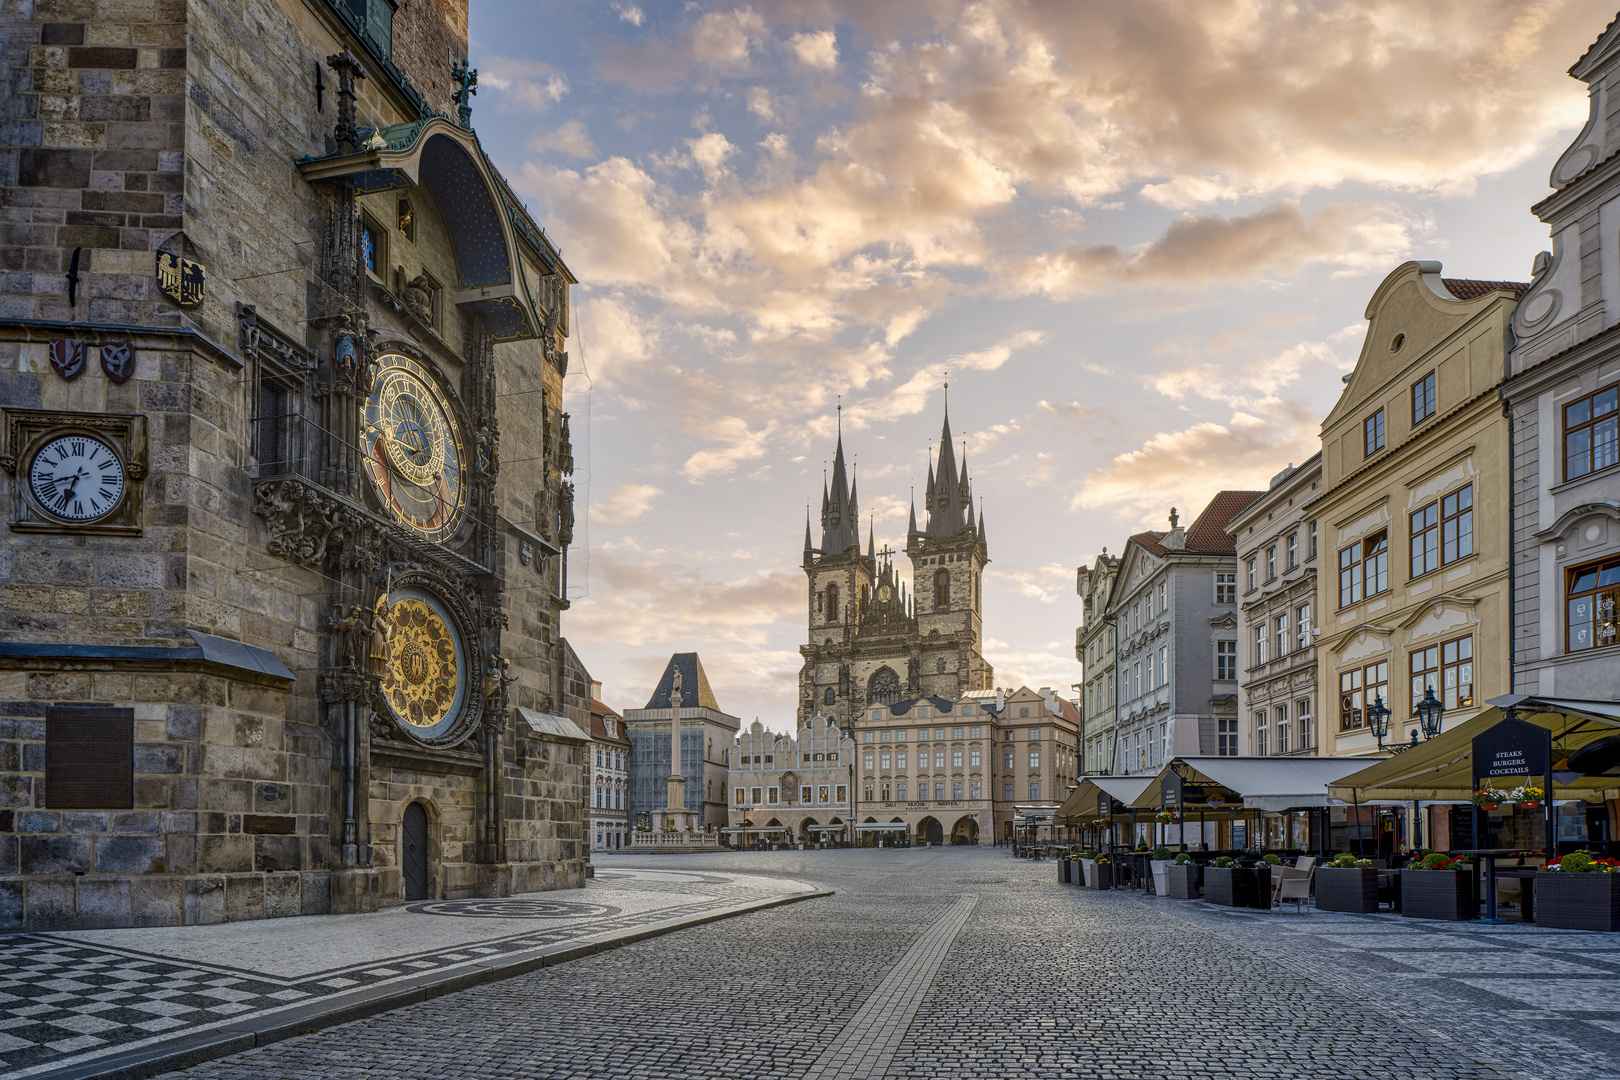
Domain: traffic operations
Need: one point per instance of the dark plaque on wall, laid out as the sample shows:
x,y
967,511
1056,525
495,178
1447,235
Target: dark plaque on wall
x,y
89,758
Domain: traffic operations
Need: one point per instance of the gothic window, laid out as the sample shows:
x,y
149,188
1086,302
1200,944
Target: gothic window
x,y
832,603
883,688
940,665
827,696
942,588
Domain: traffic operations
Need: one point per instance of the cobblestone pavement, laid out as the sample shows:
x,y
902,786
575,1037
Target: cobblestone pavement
x,y
68,998
967,963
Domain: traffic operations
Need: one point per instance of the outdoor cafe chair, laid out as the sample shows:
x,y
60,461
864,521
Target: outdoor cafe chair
x,y
1292,884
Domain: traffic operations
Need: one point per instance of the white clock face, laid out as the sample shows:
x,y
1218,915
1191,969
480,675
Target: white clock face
x,y
76,478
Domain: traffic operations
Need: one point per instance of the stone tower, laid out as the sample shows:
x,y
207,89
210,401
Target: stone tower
x,y
871,641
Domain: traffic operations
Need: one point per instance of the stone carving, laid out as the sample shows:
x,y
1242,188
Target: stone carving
x,y
488,442
382,634
419,298
497,685
346,350
298,519
353,638
565,449
565,515
348,69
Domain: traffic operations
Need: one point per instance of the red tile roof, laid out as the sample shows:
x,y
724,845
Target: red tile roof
x,y
599,712
1150,540
1208,533
1468,288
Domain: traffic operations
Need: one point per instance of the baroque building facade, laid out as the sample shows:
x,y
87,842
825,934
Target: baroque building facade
x,y
1277,581
1413,511
280,634
871,642
1094,648
608,785
1177,626
1563,390
792,789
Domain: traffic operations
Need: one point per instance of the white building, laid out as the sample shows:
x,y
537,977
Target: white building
x,y
786,789
607,787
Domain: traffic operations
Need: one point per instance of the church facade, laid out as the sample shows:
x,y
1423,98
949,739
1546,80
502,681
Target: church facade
x,y
279,634
874,643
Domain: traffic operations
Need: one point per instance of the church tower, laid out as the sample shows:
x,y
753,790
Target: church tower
x,y
874,642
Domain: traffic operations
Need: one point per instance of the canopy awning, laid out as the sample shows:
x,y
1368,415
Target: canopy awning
x,y
828,828
883,826
755,828
1271,784
1081,805
1442,769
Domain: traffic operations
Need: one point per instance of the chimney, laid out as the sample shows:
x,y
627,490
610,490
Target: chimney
x,y
1176,538
596,689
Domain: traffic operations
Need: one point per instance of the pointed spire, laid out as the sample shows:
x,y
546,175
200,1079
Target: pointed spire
x,y
911,528
807,547
871,534
981,521
970,514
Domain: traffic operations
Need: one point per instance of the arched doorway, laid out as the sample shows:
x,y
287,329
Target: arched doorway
x,y
965,831
930,831
806,828
413,852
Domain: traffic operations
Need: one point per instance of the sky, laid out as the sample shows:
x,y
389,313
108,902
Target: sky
x,y
1139,237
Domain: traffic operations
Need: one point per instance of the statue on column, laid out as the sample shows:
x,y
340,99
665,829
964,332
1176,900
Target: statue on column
x,y
352,635
382,634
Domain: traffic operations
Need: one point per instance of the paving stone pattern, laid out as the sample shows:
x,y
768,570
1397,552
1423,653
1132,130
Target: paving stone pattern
x,y
1040,980
65,997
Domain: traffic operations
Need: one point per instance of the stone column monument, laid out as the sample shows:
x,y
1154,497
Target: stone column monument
x,y
676,815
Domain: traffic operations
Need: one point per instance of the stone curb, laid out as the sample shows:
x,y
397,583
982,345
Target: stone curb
x,y
185,1051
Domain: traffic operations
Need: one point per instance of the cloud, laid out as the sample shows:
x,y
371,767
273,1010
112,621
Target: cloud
x,y
629,13
738,443
1198,250
524,85
617,335
626,505
1248,382
817,49
1045,583
725,39
759,102
569,139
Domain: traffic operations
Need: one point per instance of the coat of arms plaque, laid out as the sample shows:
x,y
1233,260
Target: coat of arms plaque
x,y
118,360
181,280
67,357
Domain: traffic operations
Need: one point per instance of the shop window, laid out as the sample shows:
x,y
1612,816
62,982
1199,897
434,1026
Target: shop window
x,y
1591,437
1364,569
1593,597
1423,399
1372,432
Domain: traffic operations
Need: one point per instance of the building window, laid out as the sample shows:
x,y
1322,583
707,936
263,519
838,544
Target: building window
x,y
756,793
770,796
1260,727
1302,623
843,794
900,759
827,696
1259,644
939,791
832,603
973,759
939,732
372,252
1426,539
1271,563
1312,554
1226,736
1302,724
884,762
956,790
1251,575
870,758
1359,687
1457,525
956,759
806,795
1007,760
1023,712
1282,730
975,733
884,794
742,797
1164,666
1280,635
1034,759
883,736
1423,399
974,790
1226,588
867,792
956,733
1592,599
1372,431
900,735
1447,669
1034,734
1293,550
900,791
1591,438
1226,660
1364,569
877,714
942,589
1007,791
868,736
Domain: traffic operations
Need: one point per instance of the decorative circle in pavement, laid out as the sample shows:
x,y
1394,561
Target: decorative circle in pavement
x,y
513,908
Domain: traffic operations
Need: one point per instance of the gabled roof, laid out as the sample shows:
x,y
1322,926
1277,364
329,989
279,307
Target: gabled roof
x,y
695,691
1208,533
1579,68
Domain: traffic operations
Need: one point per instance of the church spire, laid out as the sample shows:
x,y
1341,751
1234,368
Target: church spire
x,y
911,528
948,488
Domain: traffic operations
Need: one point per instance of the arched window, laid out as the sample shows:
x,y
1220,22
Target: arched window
x,y
827,697
883,688
942,588
832,603
940,666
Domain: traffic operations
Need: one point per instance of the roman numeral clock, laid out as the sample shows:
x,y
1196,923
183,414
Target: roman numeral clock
x,y
75,472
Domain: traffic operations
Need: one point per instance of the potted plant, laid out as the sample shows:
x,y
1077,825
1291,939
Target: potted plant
x,y
1167,817
1103,873
1228,884
1184,877
1528,796
1160,865
1579,892
1347,884
1488,799
1439,886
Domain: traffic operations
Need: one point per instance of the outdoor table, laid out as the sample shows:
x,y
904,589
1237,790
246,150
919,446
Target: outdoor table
x,y
1527,889
1490,855
1391,879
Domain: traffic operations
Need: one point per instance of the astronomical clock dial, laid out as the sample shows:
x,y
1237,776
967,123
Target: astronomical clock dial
x,y
414,449
76,478
425,676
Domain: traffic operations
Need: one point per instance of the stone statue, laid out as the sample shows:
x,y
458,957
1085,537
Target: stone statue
x,y
419,298
382,634
345,350
565,515
497,696
352,635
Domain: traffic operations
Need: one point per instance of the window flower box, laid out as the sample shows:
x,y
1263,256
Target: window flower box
x,y
1447,895
1353,889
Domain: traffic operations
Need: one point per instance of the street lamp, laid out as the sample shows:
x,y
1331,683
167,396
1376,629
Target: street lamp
x,y
1429,711
1378,718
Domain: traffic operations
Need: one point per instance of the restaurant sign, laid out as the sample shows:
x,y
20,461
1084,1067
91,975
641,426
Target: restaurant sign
x,y
1105,805
1512,748
1170,790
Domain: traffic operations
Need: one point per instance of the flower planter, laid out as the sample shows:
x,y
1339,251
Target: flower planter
x,y
1183,881
1088,873
1578,901
1238,886
1104,875
1439,894
1488,806
1063,870
1351,888
1161,876
1532,805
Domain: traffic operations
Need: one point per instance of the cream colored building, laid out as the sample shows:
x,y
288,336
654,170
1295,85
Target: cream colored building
x,y
1413,514
787,789
1094,648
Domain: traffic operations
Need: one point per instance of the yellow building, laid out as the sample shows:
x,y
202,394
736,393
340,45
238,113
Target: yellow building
x,y
1414,512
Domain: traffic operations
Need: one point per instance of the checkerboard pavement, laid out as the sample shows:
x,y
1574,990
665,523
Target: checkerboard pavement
x,y
65,1000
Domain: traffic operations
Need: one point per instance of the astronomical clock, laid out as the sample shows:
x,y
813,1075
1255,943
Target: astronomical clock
x,y
415,450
